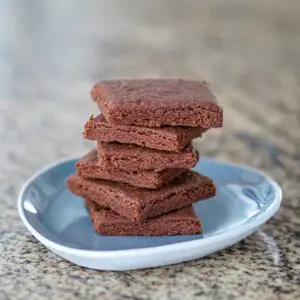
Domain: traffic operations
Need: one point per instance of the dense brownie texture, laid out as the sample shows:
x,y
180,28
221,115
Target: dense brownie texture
x,y
161,138
158,102
134,158
90,167
139,204
107,222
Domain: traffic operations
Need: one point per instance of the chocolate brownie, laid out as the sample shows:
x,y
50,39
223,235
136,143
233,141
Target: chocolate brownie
x,y
134,158
158,102
161,138
89,167
107,222
138,204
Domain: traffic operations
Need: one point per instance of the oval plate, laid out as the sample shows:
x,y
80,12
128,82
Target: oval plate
x,y
246,198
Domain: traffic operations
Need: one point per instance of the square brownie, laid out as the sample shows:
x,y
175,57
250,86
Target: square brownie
x,y
134,158
90,167
138,204
107,222
158,102
160,138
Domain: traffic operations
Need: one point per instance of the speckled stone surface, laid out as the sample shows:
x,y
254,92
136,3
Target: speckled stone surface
x,y
51,52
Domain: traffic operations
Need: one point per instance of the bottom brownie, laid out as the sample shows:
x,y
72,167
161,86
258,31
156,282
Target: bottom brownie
x,y
107,222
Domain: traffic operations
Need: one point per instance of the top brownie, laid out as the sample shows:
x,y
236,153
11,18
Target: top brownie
x,y
158,102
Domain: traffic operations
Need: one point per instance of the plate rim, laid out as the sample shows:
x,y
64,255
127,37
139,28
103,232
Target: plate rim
x,y
181,246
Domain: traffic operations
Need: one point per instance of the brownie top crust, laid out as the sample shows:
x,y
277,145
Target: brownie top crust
x,y
155,92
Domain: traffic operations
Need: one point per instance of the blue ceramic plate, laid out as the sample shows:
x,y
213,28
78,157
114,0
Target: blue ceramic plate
x,y
246,198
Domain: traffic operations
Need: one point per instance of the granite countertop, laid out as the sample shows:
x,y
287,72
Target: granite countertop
x,y
51,52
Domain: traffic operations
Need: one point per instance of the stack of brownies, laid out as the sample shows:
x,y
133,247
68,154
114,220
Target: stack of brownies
x,y
138,180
